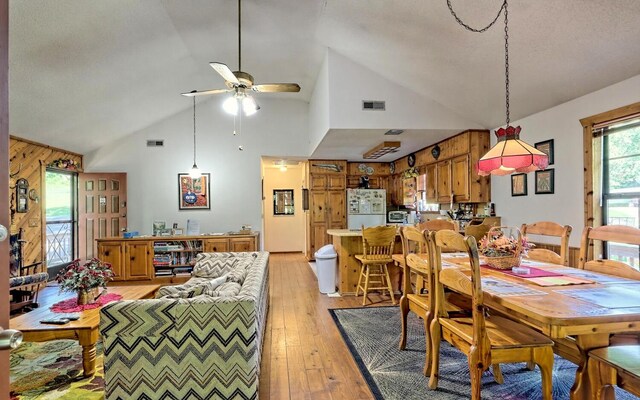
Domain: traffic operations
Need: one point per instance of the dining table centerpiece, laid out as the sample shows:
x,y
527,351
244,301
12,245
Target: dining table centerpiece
x,y
504,246
85,278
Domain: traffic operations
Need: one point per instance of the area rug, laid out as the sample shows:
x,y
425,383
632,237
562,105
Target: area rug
x,y
372,335
53,370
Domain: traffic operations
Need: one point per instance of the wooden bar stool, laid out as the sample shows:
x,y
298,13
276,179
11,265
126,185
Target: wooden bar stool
x,y
377,247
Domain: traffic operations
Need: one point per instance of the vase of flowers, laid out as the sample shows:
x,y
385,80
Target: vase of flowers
x,y
504,246
85,279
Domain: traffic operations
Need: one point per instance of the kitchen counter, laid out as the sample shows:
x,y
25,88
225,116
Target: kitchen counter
x,y
347,244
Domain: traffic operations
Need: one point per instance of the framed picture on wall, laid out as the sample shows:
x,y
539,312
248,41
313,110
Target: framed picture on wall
x,y
547,148
544,181
519,185
194,194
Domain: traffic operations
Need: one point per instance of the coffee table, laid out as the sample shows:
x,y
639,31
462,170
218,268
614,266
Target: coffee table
x,y
85,330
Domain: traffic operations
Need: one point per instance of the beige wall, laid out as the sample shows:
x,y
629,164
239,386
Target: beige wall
x,y
283,232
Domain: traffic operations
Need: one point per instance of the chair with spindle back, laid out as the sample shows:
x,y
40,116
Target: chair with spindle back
x,y
484,339
25,281
547,228
616,365
608,233
477,231
377,247
436,225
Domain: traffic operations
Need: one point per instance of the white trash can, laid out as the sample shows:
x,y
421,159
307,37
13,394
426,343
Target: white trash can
x,y
326,265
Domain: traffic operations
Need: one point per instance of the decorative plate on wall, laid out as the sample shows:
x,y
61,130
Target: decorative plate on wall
x,y
392,167
411,159
435,152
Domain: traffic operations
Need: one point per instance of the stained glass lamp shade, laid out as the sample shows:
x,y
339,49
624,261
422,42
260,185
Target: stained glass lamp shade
x,y
511,155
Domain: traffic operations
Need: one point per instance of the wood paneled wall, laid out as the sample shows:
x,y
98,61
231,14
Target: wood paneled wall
x,y
29,160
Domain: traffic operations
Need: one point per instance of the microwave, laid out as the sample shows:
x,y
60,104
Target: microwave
x,y
397,216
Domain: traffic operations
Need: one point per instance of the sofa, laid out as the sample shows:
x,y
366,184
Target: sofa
x,y
199,340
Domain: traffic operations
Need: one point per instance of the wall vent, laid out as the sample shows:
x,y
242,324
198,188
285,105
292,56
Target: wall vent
x,y
394,132
155,143
373,105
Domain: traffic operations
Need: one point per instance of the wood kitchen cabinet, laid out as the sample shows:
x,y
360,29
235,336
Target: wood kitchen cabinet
x,y
430,184
327,205
460,178
443,185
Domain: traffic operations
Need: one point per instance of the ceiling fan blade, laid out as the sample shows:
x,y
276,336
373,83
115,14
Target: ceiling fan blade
x,y
225,72
204,92
276,87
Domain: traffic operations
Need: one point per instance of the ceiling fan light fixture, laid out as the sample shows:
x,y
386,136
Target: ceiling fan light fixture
x,y
381,149
230,105
249,105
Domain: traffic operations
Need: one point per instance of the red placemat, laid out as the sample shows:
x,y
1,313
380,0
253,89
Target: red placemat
x,y
71,305
533,272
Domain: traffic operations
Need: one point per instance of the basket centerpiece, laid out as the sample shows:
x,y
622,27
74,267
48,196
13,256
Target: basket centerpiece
x,y
504,246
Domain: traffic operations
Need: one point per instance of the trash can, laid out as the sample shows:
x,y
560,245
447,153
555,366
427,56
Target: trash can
x,y
326,265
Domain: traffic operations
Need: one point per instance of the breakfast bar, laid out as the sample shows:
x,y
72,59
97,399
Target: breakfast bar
x,y
348,243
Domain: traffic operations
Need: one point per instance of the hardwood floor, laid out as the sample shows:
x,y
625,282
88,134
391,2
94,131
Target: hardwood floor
x,y
304,356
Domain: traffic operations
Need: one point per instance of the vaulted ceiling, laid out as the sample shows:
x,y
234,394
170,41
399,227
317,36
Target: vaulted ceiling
x,y
87,72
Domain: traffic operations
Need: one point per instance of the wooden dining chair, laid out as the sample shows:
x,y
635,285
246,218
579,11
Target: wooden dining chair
x,y
377,246
477,231
552,229
608,233
616,365
484,339
436,225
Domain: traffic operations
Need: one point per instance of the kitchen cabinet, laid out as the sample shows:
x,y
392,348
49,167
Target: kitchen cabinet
x,y
430,184
460,178
443,179
327,206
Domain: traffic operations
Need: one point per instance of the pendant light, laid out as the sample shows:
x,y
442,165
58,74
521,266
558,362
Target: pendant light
x,y
510,154
194,173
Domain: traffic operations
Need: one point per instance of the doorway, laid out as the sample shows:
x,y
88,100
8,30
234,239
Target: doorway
x,y
284,217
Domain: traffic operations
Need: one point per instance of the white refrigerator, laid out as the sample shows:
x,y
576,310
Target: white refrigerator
x,y
366,207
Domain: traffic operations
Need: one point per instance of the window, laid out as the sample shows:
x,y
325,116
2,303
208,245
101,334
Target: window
x,y
611,177
621,184
61,221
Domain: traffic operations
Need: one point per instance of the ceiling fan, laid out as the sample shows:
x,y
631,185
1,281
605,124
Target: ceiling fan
x,y
241,83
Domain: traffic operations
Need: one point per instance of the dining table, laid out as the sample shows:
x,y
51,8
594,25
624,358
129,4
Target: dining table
x,y
578,309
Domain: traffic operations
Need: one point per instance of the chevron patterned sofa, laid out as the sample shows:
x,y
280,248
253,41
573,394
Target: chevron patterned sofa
x,y
193,342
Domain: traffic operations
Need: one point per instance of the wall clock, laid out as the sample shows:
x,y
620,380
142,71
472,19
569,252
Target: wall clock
x,y
392,167
435,152
411,160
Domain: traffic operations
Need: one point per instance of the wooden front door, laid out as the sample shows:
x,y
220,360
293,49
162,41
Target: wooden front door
x,y
102,209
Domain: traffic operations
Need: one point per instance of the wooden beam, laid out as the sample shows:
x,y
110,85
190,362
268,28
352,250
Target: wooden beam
x,y
4,187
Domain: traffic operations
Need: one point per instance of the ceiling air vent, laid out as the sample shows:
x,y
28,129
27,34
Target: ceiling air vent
x,y
155,143
372,105
394,132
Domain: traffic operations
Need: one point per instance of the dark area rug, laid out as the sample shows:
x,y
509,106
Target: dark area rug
x,y
372,335
53,370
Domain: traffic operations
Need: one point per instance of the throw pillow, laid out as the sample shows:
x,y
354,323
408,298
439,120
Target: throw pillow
x,y
227,289
212,267
238,273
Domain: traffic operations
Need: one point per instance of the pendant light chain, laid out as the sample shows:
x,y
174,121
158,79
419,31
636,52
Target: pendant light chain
x,y
504,5
194,131
506,58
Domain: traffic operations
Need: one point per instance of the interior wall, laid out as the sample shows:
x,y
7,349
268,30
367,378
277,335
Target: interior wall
x,y
280,128
284,233
350,83
27,160
560,123
319,107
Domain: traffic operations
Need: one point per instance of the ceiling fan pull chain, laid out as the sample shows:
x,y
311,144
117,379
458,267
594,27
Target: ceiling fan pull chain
x,y
504,6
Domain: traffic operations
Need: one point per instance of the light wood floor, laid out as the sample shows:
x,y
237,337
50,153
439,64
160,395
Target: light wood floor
x,y
304,356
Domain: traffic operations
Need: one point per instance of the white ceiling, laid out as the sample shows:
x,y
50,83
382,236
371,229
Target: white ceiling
x,y
86,72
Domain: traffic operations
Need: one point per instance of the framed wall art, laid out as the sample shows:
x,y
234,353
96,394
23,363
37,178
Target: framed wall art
x,y
194,194
547,148
544,181
519,185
